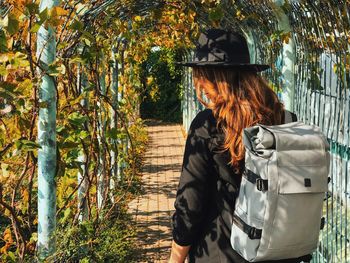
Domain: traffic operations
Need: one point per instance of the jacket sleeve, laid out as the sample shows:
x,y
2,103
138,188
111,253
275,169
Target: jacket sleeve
x,y
192,193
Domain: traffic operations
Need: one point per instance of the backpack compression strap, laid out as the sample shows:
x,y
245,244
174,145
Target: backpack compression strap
x,y
261,184
252,232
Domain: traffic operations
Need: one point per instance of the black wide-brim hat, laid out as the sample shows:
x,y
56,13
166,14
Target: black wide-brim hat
x,y
220,48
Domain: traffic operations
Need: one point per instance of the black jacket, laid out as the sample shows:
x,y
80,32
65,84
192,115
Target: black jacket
x,y
206,195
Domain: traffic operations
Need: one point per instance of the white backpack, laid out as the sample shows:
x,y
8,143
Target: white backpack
x,y
279,208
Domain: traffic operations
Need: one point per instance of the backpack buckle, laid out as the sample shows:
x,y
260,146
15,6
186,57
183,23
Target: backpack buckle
x,y
261,184
323,222
254,233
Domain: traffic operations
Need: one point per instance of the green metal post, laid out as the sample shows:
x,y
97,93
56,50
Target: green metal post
x,y
82,174
184,99
288,57
251,44
188,108
46,52
101,139
114,92
120,98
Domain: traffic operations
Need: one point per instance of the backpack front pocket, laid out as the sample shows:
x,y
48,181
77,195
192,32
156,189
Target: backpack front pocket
x,y
298,212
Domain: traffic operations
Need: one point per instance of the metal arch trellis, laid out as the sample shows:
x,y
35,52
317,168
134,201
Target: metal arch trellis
x,y
323,99
320,30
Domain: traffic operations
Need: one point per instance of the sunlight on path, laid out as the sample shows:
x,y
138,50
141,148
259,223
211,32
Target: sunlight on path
x,y
152,211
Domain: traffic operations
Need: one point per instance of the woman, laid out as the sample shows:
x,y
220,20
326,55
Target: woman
x,y
214,152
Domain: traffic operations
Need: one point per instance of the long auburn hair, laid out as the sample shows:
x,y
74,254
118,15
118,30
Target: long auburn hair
x,y
238,99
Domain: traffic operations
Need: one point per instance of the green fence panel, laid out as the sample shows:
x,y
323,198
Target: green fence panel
x,y
318,45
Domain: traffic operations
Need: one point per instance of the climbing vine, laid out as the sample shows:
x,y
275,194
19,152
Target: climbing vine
x,y
96,71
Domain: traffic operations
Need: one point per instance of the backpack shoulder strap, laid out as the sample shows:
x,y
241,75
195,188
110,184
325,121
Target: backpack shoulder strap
x,y
289,117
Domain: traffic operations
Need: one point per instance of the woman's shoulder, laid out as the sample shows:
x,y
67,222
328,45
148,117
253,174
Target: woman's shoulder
x,y
204,124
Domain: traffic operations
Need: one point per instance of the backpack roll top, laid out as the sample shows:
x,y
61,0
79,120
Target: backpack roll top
x,y
302,158
282,191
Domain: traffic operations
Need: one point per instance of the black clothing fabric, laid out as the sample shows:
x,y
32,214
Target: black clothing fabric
x,y
206,195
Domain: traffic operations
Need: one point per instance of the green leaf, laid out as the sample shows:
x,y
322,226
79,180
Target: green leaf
x,y
32,8
87,42
3,70
216,14
59,128
21,102
7,86
52,70
122,136
62,45
20,60
11,255
77,119
27,145
112,133
77,59
68,145
72,155
66,214
13,24
7,91
26,84
88,36
6,96
77,25
34,237
30,145
3,42
24,123
44,15
83,134
35,28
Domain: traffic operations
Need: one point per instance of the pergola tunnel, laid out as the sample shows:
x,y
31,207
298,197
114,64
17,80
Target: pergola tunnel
x,y
79,81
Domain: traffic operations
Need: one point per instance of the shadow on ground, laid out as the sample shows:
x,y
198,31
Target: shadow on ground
x,y
163,161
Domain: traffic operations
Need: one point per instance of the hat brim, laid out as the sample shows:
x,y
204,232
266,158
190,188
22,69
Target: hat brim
x,y
249,67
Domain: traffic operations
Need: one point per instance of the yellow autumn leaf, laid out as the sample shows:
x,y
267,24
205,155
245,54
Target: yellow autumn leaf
x,y
25,195
3,250
9,42
4,170
4,57
62,69
8,236
57,11
285,38
137,18
149,80
335,68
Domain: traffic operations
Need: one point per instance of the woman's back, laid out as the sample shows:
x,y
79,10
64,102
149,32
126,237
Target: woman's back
x,y
214,153
206,195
